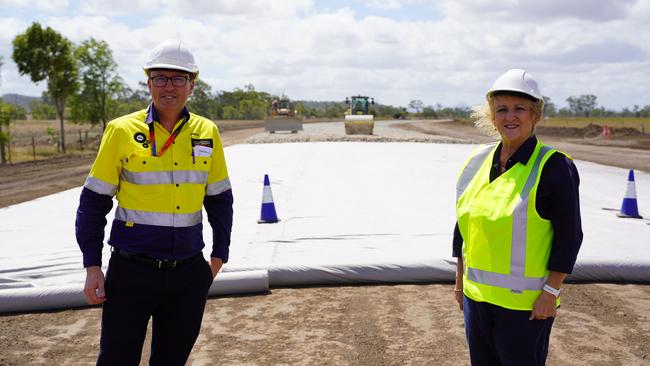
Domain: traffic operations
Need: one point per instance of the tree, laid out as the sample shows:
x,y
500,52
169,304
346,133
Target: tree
x,y
429,112
42,108
129,100
100,83
582,105
244,103
549,107
416,105
202,101
8,113
44,54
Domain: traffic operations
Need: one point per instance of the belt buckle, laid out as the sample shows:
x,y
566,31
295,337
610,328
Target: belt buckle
x,y
166,263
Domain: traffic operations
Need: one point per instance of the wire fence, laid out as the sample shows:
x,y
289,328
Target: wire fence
x,y
40,139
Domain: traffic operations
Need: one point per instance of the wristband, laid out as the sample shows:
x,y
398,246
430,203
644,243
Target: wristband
x,y
553,291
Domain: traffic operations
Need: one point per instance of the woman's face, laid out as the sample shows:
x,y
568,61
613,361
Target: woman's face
x,y
514,118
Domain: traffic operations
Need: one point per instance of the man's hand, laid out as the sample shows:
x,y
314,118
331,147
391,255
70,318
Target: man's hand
x,y
215,266
94,287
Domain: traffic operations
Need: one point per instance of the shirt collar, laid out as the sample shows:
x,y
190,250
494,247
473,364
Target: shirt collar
x,y
152,115
522,155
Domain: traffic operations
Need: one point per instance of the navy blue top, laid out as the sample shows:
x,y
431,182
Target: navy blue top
x,y
557,201
91,220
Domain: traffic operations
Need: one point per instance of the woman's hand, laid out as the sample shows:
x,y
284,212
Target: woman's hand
x,y
458,287
458,294
544,307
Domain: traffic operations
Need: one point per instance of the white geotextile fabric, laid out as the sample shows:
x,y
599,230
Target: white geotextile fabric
x,y
350,213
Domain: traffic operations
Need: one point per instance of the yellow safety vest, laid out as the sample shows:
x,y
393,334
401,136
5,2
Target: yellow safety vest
x,y
506,242
165,190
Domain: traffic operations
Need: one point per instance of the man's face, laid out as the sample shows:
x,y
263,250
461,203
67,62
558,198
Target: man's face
x,y
169,97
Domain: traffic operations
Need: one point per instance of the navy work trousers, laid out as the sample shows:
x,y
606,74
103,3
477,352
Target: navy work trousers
x,y
500,336
173,298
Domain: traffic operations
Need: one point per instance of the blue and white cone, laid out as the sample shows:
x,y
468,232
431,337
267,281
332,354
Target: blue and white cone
x,y
629,207
268,214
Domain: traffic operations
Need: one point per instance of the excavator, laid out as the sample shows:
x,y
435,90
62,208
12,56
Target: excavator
x,y
282,117
358,119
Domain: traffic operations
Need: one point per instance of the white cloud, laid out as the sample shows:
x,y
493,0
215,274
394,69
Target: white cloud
x,y
518,10
383,4
252,8
119,7
37,5
299,48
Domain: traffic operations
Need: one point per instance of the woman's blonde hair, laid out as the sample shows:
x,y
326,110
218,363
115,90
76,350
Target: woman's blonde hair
x,y
483,114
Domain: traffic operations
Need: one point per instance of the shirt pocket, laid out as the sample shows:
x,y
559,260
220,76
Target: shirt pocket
x,y
144,175
202,163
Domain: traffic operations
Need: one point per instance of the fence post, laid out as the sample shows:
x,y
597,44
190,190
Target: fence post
x,y
81,142
9,150
33,148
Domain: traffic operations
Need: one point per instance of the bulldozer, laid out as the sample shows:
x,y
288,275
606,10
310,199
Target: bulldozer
x,y
282,117
358,120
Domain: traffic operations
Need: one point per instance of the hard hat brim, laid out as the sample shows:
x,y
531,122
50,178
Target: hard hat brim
x,y
515,90
148,68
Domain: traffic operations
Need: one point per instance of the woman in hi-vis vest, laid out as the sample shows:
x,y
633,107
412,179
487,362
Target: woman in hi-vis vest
x,y
518,229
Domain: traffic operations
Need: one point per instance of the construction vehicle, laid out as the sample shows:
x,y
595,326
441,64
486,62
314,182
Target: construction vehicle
x,y
283,117
358,119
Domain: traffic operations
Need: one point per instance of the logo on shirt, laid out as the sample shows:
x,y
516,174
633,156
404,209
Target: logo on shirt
x,y
140,138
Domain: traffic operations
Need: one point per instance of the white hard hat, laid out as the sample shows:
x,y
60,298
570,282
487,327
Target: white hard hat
x,y
171,54
517,80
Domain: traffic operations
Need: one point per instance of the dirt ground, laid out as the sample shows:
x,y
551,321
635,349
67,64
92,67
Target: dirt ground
x,y
417,324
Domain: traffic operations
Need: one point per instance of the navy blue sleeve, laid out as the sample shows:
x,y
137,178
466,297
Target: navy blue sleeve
x,y
457,244
558,201
90,223
219,209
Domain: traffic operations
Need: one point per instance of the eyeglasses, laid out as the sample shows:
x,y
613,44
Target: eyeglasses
x,y
161,81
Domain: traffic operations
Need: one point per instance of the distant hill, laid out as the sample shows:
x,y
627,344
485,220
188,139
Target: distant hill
x,y
20,100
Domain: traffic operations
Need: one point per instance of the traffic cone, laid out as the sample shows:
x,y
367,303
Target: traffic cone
x,y
629,207
607,132
268,214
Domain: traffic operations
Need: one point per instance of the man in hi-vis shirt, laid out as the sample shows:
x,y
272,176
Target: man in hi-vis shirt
x,y
163,164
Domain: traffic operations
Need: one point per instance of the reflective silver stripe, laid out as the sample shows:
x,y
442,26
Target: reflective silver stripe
x,y
215,188
516,281
99,186
471,168
520,219
506,281
165,177
158,218
533,173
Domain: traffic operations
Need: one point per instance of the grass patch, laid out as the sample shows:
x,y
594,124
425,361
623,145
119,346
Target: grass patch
x,y
639,124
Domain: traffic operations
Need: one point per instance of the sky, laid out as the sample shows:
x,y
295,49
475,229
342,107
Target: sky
x,y
446,52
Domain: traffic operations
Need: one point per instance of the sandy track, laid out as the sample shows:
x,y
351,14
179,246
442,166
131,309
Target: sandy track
x,y
608,152
599,324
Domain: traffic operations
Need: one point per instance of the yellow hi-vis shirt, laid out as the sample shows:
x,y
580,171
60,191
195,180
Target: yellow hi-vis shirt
x,y
159,191
506,242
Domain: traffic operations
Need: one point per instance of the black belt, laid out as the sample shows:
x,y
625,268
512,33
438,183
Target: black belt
x,y
157,263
